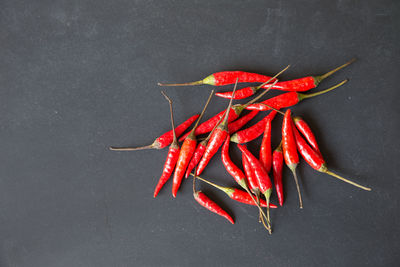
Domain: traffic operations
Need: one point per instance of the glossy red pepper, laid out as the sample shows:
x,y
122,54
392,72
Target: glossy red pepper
x,y
288,99
277,166
186,153
252,181
207,203
290,150
173,154
236,125
164,140
303,127
298,85
251,133
225,78
265,148
315,160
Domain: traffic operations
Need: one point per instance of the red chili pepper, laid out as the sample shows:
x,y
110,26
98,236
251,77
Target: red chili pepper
x,y
164,140
288,99
186,153
289,149
225,78
251,133
172,156
298,85
263,180
236,125
207,203
315,160
265,148
232,169
217,138
238,195
303,127
277,165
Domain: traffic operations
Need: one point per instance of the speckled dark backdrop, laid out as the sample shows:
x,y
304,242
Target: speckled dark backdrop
x,y
77,76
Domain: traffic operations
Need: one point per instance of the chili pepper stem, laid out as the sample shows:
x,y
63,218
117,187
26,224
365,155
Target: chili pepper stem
x,y
175,140
267,195
208,80
277,110
153,145
319,78
325,170
304,96
292,167
191,135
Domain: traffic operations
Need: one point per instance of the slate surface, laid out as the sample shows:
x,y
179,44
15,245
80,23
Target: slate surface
x,y
78,76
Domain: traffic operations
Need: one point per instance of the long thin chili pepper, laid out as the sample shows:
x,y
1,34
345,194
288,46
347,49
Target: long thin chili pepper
x,y
251,133
173,154
236,125
237,194
225,78
264,182
252,181
277,166
217,138
207,203
288,99
164,140
239,177
298,85
289,149
315,160
186,153
265,148
198,153
303,127
234,112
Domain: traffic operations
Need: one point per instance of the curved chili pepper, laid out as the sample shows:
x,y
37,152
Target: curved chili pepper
x,y
288,99
289,149
225,78
198,153
186,153
252,181
303,127
251,133
173,154
298,85
237,194
216,139
207,203
164,140
277,165
265,148
315,160
236,125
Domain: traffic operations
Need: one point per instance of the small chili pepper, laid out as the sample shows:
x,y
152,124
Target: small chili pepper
x,y
234,112
237,194
277,165
236,125
173,154
315,160
289,149
251,133
303,127
252,181
164,140
298,85
225,78
263,180
265,148
288,99
207,203
217,138
186,153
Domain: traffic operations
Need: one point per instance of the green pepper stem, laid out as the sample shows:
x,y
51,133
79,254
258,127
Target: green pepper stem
x,y
304,96
319,78
345,180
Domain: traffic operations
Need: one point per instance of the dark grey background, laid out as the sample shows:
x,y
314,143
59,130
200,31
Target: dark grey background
x,y
78,76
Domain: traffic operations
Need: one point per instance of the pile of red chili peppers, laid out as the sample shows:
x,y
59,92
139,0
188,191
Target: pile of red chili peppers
x,y
225,128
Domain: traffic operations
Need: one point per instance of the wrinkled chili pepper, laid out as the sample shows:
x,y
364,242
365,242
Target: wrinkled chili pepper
x,y
173,154
315,160
225,78
251,133
298,85
288,99
186,153
277,166
290,150
164,140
